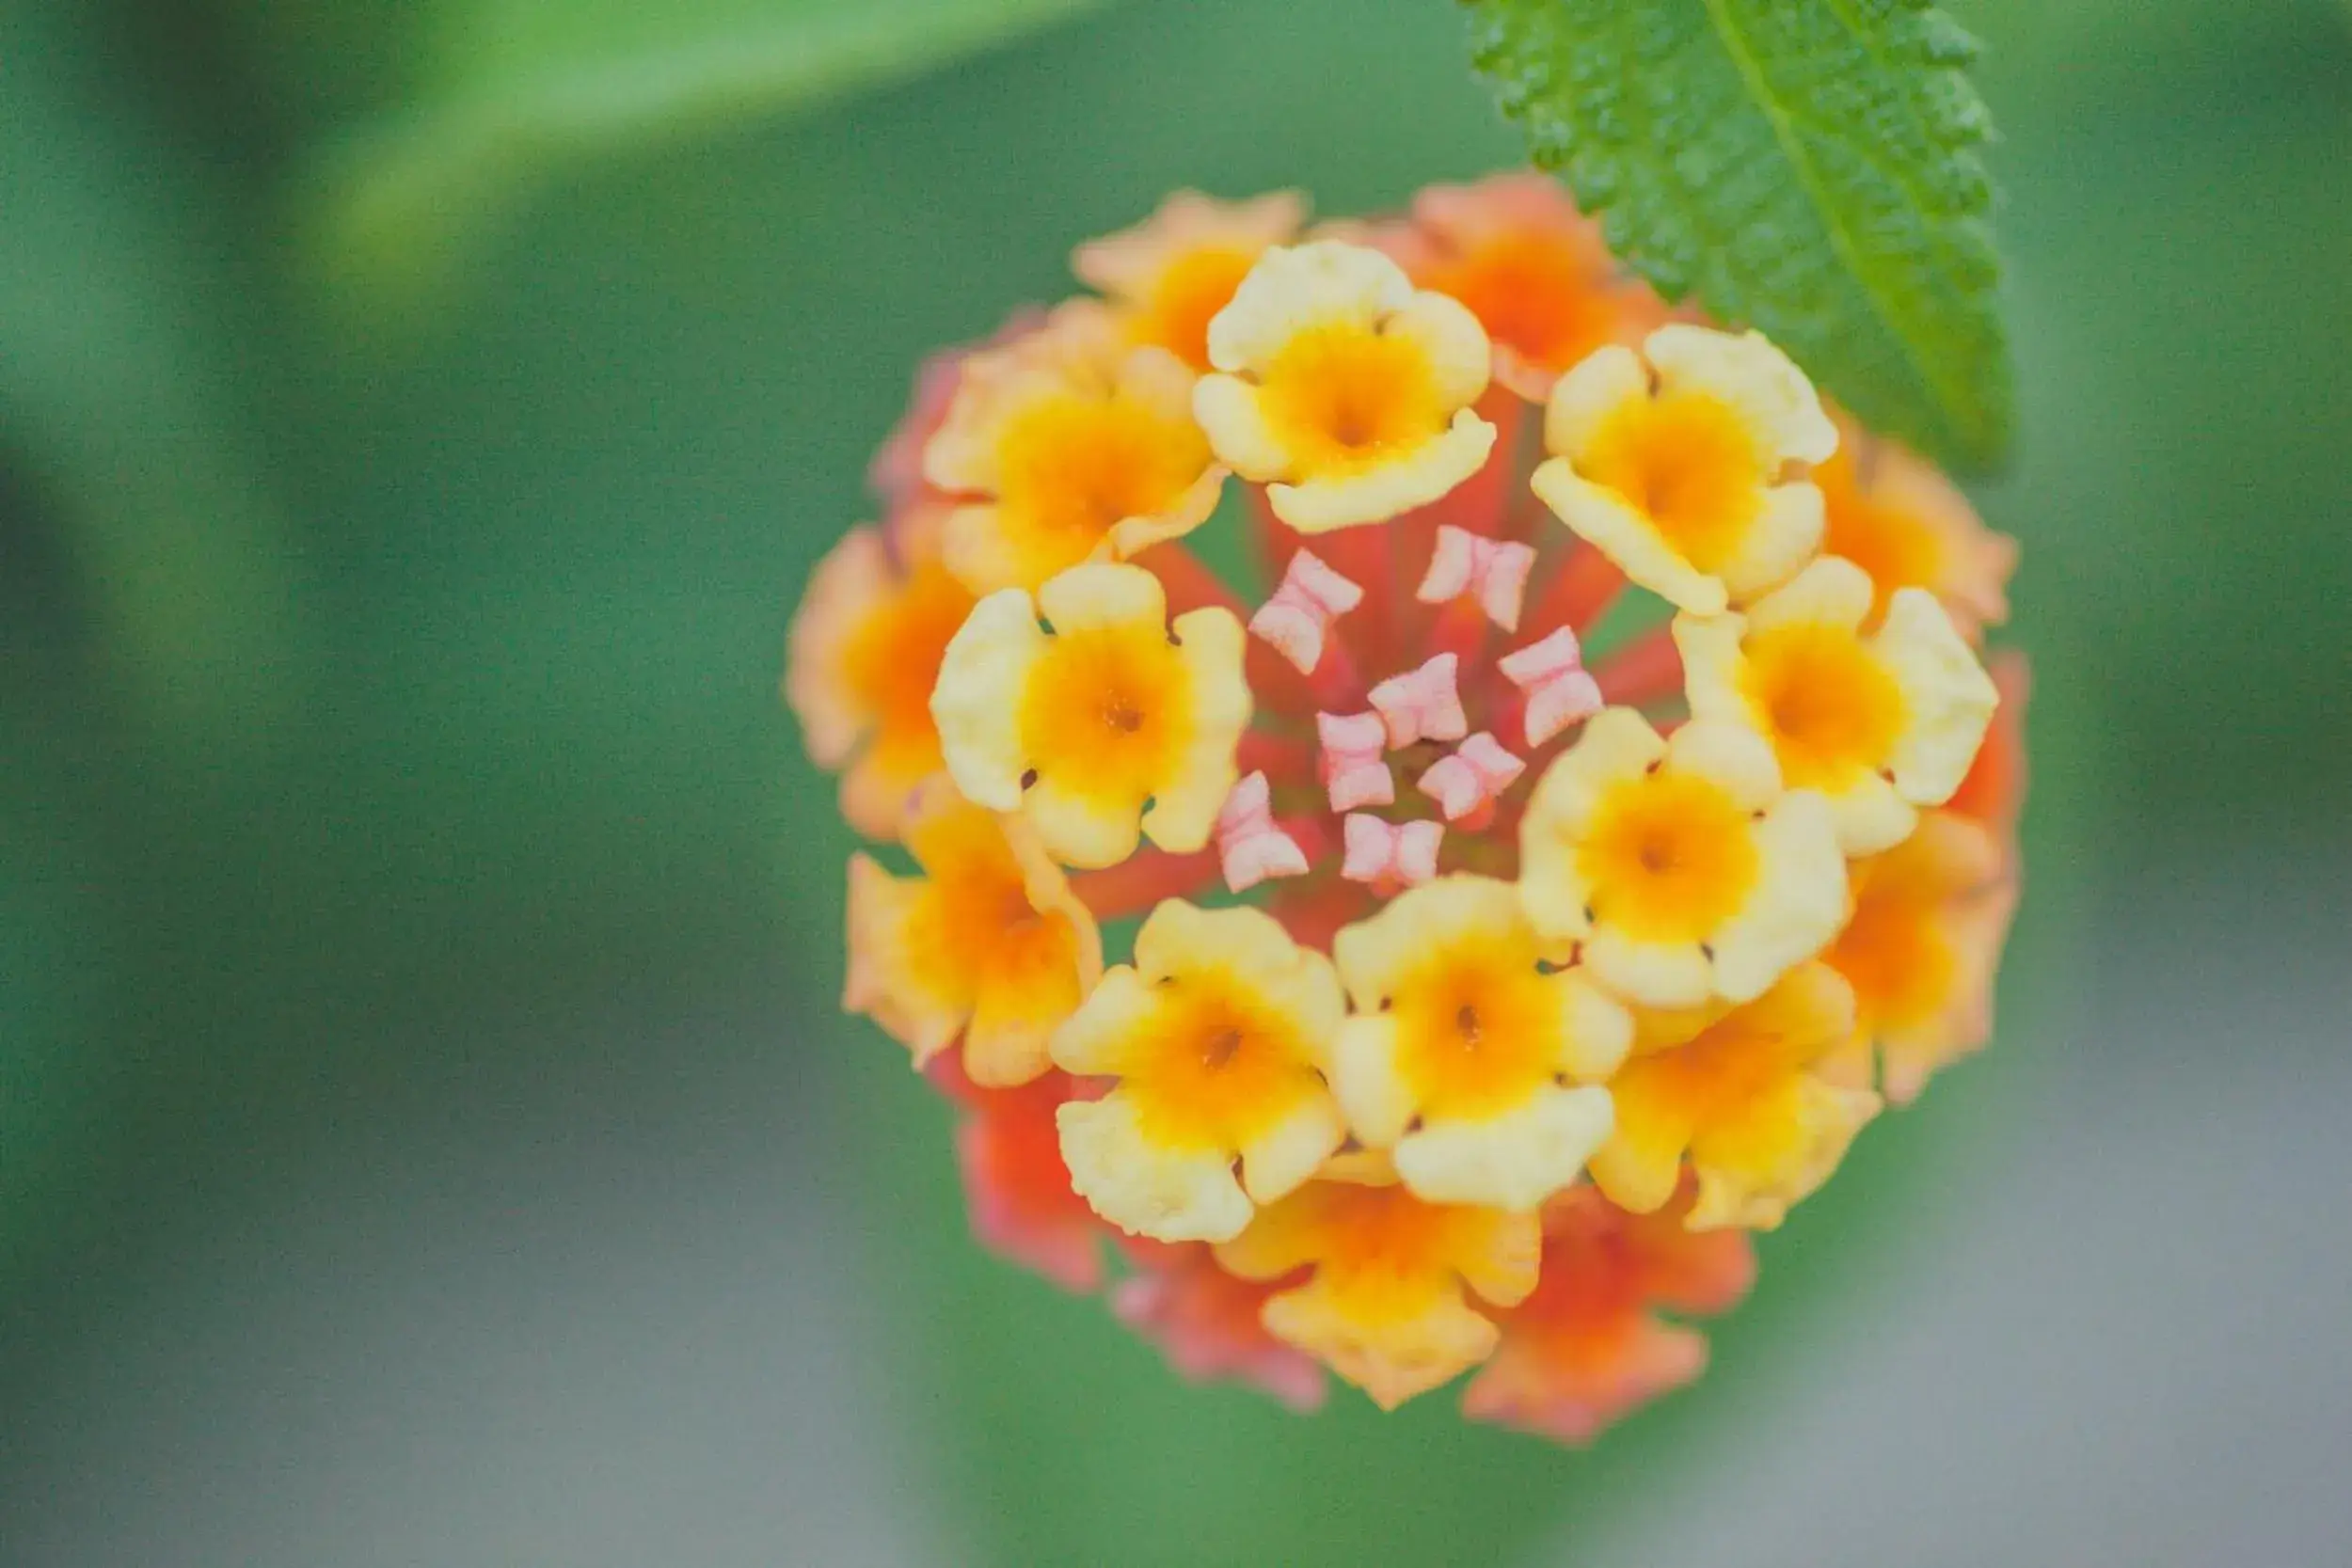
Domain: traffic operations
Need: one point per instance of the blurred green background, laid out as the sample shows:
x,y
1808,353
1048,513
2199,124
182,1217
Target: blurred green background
x,y
415,422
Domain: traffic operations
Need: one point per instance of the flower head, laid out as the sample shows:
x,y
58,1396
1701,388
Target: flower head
x,y
864,650
1674,462
1749,1094
1064,446
1343,389
1470,1055
1681,864
1590,1344
1218,1037
1388,1304
1475,1004
1878,723
1105,721
1172,273
1530,267
988,943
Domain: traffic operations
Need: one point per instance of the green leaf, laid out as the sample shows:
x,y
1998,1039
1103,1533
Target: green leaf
x,y
508,90
1808,168
122,397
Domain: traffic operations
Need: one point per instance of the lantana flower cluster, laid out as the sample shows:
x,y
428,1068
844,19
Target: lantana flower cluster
x,y
1438,942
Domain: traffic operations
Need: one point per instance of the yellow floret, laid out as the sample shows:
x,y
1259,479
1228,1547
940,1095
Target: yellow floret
x,y
988,943
1104,722
1219,1036
1879,723
1748,1095
1682,866
1922,946
1342,388
1068,445
1891,512
865,646
1469,1054
1673,461
1388,1306
1172,273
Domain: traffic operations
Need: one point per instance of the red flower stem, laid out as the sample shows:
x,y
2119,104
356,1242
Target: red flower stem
x,y
1579,591
1647,670
1141,880
1190,585
1284,759
1190,582
1460,628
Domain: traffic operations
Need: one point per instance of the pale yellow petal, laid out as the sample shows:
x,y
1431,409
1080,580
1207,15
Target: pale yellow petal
x,y
1078,824
1231,417
1084,597
1871,814
1511,1161
1169,1194
976,703
1729,755
1595,1029
1460,359
1587,396
1799,903
1282,1158
1184,809
1296,287
1392,1362
1365,1080
1949,700
1100,1038
1786,531
1621,531
1654,974
1745,370
1320,505
1830,592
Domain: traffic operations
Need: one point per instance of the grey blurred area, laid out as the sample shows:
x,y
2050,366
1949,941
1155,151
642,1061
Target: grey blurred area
x,y
2120,1337
606,1318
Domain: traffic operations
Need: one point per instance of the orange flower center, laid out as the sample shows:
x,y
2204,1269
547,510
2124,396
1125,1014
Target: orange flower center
x,y
1385,1254
1476,1030
1221,1070
1896,956
1341,399
1074,467
1669,858
892,661
975,920
1687,462
1193,288
1893,543
1832,710
1536,295
1109,710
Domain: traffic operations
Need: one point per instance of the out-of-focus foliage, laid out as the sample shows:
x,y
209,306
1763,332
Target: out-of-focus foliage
x,y
1812,170
498,91
116,317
